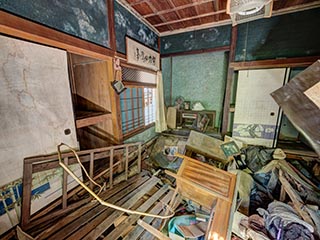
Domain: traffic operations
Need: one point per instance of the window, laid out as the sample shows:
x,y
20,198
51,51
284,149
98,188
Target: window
x,y
137,108
149,105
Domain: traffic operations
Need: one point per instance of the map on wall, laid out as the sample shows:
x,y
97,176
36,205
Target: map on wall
x,y
127,24
36,112
86,19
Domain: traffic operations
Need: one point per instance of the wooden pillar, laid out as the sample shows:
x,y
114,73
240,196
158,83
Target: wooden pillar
x,y
226,106
26,195
112,35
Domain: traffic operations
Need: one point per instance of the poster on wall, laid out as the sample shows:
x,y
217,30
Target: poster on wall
x,y
141,55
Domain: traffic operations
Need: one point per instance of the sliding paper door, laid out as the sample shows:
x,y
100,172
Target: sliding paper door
x,y
257,115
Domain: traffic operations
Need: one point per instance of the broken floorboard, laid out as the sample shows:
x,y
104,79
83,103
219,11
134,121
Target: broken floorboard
x,y
94,221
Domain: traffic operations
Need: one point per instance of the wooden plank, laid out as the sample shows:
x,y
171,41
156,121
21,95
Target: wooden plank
x,y
51,157
26,195
65,185
111,169
136,232
220,223
52,161
66,230
54,215
117,232
127,163
165,23
91,168
298,204
157,223
84,122
79,212
275,63
108,218
139,158
199,2
71,193
195,192
200,51
24,29
283,194
203,188
153,230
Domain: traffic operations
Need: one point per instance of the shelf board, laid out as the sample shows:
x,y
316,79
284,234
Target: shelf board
x,y
87,118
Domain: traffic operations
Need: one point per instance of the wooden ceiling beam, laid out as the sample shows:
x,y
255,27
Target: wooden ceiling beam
x,y
155,10
216,7
190,18
174,8
177,8
196,8
138,2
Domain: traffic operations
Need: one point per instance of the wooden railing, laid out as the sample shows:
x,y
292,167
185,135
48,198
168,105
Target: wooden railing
x,y
119,155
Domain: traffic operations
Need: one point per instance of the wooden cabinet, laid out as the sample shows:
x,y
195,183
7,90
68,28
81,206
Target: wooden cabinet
x,y
95,102
192,119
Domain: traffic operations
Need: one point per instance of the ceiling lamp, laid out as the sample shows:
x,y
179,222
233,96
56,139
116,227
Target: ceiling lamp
x,y
242,11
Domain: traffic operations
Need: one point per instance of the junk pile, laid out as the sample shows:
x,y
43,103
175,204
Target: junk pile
x,y
279,197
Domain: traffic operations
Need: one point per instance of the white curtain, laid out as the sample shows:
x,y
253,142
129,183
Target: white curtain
x,y
161,122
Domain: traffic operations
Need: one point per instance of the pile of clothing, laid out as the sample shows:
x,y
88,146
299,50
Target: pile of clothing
x,y
280,221
258,171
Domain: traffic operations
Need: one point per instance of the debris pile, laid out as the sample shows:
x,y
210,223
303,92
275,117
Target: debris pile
x,y
278,195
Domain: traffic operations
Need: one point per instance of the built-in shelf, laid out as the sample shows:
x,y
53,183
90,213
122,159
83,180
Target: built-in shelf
x,y
87,118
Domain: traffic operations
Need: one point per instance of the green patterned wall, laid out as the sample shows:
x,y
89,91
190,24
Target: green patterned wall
x,y
166,76
198,77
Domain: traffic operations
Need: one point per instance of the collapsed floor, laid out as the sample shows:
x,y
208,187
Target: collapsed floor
x,y
278,195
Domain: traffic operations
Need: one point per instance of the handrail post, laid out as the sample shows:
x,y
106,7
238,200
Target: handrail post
x,y
26,195
91,169
65,185
139,158
127,162
111,169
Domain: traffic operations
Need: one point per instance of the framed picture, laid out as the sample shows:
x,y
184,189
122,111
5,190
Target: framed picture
x,y
141,55
230,148
118,86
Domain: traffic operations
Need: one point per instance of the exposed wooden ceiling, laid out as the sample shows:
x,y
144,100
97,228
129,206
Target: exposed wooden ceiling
x,y
171,16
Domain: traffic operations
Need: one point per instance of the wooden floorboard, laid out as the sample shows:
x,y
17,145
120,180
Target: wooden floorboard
x,y
95,221
83,209
107,222
137,231
118,231
82,222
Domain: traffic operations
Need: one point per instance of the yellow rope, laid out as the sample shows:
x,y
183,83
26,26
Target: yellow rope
x,y
102,202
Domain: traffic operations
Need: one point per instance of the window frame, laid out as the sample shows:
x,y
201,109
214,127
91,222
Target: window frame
x,y
135,131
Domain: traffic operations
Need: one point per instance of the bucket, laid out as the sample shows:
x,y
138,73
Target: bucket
x,y
181,220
